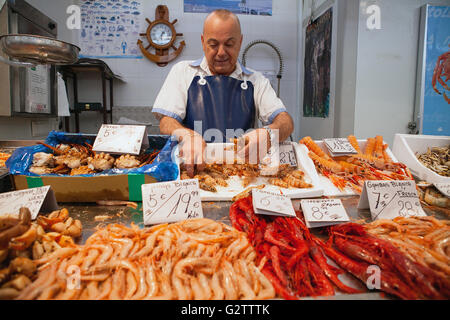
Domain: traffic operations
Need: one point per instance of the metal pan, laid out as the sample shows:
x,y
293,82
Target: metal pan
x,y
38,49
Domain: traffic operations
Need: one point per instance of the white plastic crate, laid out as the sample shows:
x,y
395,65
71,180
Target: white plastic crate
x,y
406,146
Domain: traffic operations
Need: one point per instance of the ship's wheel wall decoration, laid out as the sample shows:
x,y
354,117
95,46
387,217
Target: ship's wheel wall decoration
x,y
161,35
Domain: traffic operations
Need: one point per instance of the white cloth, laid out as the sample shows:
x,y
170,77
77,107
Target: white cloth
x,y
63,101
172,98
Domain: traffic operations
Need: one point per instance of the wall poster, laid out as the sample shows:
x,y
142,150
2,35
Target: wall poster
x,y
433,80
316,101
252,7
110,29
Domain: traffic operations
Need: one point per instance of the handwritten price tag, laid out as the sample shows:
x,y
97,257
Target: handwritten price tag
x,y
323,212
287,154
266,202
444,188
35,199
121,139
171,201
390,199
339,146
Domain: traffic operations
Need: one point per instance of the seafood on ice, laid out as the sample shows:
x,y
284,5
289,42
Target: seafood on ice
x,y
351,171
193,259
436,159
217,175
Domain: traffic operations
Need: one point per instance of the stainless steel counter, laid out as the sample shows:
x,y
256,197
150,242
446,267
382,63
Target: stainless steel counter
x,y
218,211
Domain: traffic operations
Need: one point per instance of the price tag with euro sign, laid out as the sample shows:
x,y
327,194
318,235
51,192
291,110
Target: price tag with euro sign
x,y
121,139
266,202
37,200
171,201
323,212
339,147
390,199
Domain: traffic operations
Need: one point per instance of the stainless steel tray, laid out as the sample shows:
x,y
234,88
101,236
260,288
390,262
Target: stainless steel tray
x,y
38,49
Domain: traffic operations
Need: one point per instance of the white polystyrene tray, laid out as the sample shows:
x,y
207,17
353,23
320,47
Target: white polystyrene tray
x,y
329,188
406,146
235,183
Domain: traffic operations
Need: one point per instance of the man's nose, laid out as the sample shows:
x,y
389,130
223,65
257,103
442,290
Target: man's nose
x,y
221,51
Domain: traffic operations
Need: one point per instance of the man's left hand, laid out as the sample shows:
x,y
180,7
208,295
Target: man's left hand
x,y
257,145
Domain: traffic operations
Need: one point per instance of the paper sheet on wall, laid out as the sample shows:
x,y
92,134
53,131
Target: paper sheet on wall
x,y
110,29
63,102
38,83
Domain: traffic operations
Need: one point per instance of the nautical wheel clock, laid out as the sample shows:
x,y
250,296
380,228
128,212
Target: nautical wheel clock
x,y
161,36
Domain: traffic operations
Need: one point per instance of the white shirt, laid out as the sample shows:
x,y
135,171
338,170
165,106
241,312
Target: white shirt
x,y
172,98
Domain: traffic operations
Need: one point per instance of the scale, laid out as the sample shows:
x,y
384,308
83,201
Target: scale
x,y
30,50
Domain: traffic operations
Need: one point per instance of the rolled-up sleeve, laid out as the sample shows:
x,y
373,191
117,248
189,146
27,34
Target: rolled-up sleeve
x,y
172,98
268,104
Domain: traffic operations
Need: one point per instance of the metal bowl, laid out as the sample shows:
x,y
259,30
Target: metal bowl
x,y
38,49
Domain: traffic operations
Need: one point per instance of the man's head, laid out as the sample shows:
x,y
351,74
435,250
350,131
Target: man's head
x,y
221,40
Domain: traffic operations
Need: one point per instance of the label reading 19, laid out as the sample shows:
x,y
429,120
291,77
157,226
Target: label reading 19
x,y
171,201
287,154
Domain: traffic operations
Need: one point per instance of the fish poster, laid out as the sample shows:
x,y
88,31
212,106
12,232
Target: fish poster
x,y
316,101
110,29
248,7
434,97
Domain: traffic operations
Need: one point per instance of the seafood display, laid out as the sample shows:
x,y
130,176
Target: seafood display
x,y
355,249
351,171
217,175
429,195
193,259
437,159
291,258
22,242
3,157
77,159
425,240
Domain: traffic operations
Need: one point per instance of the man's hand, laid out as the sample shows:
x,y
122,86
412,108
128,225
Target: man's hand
x,y
257,144
192,148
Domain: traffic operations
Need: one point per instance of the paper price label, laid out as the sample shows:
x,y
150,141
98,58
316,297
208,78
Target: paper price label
x,y
287,154
444,188
171,201
390,199
121,139
323,212
266,202
35,199
339,146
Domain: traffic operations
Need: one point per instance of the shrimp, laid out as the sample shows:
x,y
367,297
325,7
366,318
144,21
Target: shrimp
x,y
313,147
354,142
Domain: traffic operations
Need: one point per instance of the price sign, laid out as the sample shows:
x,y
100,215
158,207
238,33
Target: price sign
x,y
390,199
171,201
36,200
323,212
287,154
444,188
266,202
339,147
121,139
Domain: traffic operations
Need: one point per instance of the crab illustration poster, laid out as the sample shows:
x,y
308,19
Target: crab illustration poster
x,y
434,68
109,29
252,7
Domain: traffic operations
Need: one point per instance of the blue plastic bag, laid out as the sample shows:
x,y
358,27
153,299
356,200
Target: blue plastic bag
x,y
163,168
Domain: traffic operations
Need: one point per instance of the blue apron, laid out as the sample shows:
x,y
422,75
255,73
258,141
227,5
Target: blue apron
x,y
220,102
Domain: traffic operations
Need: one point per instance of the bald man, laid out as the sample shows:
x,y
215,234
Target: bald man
x,y
216,98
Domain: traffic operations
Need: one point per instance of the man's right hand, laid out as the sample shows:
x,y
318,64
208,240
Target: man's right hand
x,y
192,147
